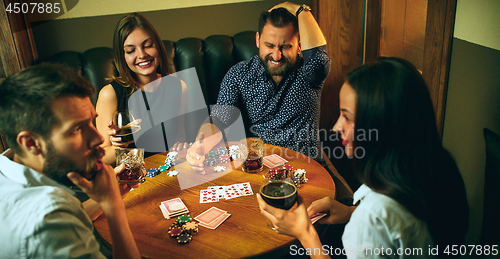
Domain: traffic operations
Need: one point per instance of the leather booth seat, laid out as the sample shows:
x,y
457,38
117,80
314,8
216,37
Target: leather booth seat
x,y
211,57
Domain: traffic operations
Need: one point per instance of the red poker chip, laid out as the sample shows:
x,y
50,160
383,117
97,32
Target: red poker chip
x,y
175,231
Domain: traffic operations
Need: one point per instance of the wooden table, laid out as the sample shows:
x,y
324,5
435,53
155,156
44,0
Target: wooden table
x,y
243,234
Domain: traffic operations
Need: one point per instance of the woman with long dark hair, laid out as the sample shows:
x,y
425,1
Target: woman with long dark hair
x,y
413,195
141,60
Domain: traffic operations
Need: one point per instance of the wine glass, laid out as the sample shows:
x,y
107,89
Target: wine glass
x,y
126,124
278,192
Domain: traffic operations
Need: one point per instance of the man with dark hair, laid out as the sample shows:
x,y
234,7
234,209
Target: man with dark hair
x,y
277,92
47,118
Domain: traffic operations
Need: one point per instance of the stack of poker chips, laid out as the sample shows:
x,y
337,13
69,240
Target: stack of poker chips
x,y
211,158
234,152
222,151
171,159
152,172
300,175
288,170
224,159
277,174
183,229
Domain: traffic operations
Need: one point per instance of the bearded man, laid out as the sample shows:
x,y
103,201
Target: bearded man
x,y
278,92
47,118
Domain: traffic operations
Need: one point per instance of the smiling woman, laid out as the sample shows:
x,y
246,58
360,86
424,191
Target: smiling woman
x,y
141,61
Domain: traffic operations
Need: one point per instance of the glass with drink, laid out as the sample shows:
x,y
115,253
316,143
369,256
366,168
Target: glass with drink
x,y
133,158
126,124
279,192
252,151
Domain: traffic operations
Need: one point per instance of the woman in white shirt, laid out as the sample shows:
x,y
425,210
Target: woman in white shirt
x,y
412,201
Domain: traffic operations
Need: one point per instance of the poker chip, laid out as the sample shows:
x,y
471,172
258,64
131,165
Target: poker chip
x,y
172,155
224,159
184,238
222,151
173,173
213,154
152,172
300,174
163,168
211,161
183,219
233,147
175,231
219,169
276,174
175,225
190,227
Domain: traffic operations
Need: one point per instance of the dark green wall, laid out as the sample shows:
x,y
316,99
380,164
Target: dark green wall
x,y
80,34
473,103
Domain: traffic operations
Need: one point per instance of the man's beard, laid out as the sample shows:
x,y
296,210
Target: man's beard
x,y
281,70
57,166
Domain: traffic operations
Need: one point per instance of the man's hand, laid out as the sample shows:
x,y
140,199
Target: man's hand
x,y
103,188
291,7
339,213
196,154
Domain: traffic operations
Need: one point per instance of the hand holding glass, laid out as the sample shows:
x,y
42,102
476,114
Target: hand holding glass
x,y
126,124
133,158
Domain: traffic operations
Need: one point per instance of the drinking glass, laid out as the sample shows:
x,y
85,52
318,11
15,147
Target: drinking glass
x,y
126,124
252,151
280,193
133,158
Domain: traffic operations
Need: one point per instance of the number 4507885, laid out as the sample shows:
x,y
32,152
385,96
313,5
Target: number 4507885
x,y
33,8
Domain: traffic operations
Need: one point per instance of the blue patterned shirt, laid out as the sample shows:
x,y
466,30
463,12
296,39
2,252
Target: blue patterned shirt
x,y
285,115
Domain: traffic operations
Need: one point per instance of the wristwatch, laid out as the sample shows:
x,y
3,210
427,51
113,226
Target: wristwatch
x,y
302,8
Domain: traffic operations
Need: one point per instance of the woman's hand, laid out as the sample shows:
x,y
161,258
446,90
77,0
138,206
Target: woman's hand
x,y
294,223
339,213
117,141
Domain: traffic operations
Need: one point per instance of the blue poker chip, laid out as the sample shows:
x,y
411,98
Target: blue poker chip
x,y
173,173
152,172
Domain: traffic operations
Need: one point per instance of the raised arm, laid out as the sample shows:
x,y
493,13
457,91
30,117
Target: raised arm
x,y
104,190
309,31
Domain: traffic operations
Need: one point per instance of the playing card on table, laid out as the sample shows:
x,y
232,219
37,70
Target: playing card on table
x,y
173,207
232,191
273,161
245,189
317,217
210,215
214,224
209,196
221,191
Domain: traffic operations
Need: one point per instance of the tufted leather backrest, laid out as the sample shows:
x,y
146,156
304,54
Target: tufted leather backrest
x,y
212,58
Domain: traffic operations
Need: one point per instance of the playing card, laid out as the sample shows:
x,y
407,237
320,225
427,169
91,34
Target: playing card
x,y
210,215
273,161
214,224
221,191
209,196
232,191
245,189
164,211
174,206
317,217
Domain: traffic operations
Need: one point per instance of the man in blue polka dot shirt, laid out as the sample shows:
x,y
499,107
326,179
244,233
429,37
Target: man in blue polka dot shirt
x,y
278,92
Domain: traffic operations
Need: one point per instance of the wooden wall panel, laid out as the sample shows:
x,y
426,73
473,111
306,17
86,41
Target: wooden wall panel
x,y
437,53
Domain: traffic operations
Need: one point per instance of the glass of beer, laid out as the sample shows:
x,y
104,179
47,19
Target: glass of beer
x,y
280,193
133,158
252,151
126,124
